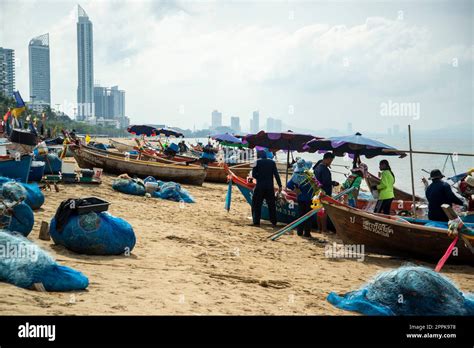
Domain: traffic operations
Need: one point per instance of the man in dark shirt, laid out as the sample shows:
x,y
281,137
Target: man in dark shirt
x,y
439,192
264,171
323,174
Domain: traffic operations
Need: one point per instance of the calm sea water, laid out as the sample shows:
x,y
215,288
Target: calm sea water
x,y
401,166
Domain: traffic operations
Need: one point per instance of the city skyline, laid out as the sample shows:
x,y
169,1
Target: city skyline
x,y
301,61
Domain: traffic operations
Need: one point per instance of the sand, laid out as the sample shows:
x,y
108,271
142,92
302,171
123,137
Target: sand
x,y
197,259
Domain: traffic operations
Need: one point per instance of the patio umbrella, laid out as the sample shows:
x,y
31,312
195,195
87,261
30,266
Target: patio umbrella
x,y
168,132
142,130
356,145
287,141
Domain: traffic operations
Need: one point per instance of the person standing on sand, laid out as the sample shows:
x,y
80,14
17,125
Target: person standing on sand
x,y
385,189
264,171
324,176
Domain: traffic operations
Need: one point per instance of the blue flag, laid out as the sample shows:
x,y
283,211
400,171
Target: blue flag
x,y
19,100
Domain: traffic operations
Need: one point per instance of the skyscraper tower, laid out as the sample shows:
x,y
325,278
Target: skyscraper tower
x,y
40,82
7,71
85,67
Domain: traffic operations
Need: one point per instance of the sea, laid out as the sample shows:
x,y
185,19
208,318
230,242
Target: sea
x,y
449,165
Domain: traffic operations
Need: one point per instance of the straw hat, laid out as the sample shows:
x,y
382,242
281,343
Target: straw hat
x,y
469,180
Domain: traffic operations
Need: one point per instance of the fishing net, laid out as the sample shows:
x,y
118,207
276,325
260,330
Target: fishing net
x,y
408,290
14,191
173,191
95,234
23,263
129,186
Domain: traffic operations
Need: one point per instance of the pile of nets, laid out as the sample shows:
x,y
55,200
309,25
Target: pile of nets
x,y
407,290
53,163
25,264
129,186
94,234
164,190
14,191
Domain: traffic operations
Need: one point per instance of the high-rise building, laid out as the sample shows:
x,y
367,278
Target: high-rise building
x,y
85,67
235,124
216,119
273,125
110,105
40,85
255,122
349,128
396,130
7,71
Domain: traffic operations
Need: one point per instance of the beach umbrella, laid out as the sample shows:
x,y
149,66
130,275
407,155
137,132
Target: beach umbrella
x,y
287,141
227,138
142,130
168,132
356,145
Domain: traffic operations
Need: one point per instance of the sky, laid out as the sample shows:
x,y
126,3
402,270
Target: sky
x,y
313,64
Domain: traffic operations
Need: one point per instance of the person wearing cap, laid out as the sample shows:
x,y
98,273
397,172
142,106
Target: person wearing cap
x,y
354,181
323,175
438,193
466,187
264,171
300,184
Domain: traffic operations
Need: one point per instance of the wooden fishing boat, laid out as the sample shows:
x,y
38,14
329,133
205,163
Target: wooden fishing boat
x,y
391,235
87,157
287,209
399,194
122,147
16,169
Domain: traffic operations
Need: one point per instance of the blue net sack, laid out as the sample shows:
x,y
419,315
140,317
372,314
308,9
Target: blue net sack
x,y
53,163
408,290
172,191
13,191
26,264
128,186
95,234
21,220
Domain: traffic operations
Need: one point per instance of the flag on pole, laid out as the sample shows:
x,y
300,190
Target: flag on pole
x,y
20,105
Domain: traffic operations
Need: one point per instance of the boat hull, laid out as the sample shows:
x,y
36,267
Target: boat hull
x,y
392,236
121,146
18,170
88,158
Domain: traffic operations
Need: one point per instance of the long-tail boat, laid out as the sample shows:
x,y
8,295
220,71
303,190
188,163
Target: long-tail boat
x,y
393,235
87,157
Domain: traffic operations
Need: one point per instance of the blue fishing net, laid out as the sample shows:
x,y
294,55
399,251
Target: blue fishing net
x,y
13,191
95,234
23,263
53,163
407,290
172,191
129,186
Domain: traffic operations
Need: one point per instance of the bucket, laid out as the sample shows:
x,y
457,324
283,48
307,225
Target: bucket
x,y
68,167
151,187
97,172
36,171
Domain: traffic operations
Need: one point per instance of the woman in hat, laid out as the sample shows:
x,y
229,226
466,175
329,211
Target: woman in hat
x,y
300,183
466,187
438,193
353,181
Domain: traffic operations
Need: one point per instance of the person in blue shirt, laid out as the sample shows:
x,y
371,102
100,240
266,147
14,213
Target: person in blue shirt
x,y
264,171
438,193
300,184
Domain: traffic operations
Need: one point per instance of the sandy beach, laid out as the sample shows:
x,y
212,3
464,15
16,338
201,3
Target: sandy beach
x,y
198,259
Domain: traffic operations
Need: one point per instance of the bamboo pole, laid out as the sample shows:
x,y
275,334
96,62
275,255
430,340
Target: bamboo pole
x,y
411,172
428,152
